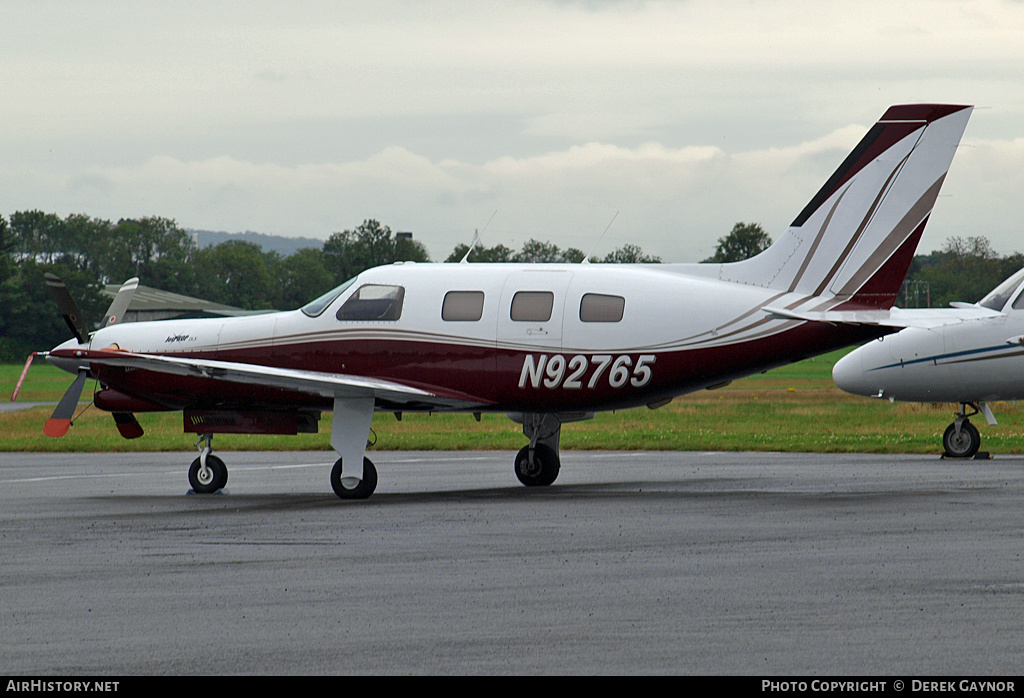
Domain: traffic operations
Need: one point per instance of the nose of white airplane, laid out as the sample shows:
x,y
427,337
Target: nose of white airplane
x,y
848,374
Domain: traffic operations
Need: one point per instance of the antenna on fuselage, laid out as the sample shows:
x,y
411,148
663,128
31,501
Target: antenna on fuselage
x,y
586,259
476,239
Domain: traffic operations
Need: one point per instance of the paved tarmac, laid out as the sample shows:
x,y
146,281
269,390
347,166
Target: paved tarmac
x,y
8,406
632,563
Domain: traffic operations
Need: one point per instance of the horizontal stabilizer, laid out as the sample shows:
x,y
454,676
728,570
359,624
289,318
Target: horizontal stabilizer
x,y
925,318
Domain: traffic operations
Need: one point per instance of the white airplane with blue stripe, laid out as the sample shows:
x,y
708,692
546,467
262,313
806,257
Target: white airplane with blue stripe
x,y
971,354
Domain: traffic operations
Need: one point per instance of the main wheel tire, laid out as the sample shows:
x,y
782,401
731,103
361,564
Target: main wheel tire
x,y
214,478
962,445
544,469
365,487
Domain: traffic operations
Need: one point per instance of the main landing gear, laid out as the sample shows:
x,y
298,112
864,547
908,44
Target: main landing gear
x,y
537,464
353,488
207,474
349,429
961,439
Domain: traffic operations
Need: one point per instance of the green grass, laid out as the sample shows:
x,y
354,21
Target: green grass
x,y
794,408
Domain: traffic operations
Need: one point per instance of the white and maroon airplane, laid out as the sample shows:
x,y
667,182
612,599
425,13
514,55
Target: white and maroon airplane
x,y
546,344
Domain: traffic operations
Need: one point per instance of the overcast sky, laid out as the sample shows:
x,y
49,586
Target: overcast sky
x,y
548,119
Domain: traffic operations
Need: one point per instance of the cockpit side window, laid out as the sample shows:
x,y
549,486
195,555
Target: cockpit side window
x,y
374,302
997,298
314,308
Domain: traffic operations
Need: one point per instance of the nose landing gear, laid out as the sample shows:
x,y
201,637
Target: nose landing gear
x,y
961,438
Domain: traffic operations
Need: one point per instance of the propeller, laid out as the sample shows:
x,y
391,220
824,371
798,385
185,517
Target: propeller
x,y
117,309
68,308
21,378
60,421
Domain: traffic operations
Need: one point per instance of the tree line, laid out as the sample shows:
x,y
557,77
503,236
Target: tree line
x,y
90,252
965,269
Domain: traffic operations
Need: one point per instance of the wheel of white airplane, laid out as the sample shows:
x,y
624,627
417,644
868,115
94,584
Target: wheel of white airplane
x,y
544,469
964,445
365,487
210,480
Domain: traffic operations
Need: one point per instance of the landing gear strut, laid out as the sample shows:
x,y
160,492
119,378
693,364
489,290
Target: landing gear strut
x,y
207,474
351,424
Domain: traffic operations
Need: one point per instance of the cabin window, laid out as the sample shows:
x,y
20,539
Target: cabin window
x,y
532,306
374,302
597,307
462,306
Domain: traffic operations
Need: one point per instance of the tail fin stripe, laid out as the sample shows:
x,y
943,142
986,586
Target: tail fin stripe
x,y
814,245
852,242
870,147
884,253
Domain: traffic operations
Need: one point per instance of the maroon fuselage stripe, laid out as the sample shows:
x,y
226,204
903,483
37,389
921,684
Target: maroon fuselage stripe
x,y
492,376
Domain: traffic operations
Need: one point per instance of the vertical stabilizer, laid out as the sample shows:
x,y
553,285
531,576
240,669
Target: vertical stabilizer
x,y
855,239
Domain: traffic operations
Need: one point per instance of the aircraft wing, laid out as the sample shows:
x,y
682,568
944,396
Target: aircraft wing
x,y
900,318
328,385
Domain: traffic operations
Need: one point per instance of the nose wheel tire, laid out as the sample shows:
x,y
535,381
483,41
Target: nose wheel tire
x,y
210,479
355,490
962,445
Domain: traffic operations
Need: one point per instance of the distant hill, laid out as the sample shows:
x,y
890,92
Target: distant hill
x,y
285,246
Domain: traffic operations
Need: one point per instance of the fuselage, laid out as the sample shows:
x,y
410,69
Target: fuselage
x,y
505,337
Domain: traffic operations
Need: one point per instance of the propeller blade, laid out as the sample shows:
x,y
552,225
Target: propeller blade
x,y
21,378
124,296
60,421
127,425
68,308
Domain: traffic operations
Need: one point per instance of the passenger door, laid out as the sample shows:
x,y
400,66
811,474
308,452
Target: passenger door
x,y
531,310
